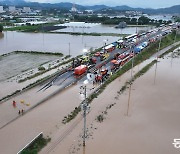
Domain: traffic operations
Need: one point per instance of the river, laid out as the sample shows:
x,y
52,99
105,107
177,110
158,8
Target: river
x,y
83,27
13,41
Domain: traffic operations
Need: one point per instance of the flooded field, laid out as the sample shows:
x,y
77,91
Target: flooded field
x,y
98,28
15,64
66,44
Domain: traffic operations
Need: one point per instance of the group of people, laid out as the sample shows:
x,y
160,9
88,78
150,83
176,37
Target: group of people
x,y
15,105
99,78
21,112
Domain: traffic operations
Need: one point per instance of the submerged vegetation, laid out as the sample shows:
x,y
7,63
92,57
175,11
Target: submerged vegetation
x,y
36,146
1,28
72,115
91,34
31,28
39,53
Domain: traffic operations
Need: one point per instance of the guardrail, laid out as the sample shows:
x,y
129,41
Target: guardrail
x,y
31,142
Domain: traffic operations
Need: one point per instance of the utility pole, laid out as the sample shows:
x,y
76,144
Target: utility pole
x,y
69,48
159,47
129,96
175,36
157,60
84,108
136,26
42,28
174,45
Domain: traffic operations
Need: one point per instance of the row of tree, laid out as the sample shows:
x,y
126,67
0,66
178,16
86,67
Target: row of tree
x,y
115,21
1,28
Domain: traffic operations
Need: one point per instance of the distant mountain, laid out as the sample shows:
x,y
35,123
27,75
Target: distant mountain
x,y
96,7
123,8
12,2
171,10
68,6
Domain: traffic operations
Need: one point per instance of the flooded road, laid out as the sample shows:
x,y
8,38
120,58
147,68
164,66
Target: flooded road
x,y
66,44
152,114
152,123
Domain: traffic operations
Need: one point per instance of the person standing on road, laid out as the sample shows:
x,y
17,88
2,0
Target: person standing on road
x,y
14,103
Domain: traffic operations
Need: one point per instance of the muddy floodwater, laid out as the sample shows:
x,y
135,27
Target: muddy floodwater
x,y
152,122
83,27
66,44
150,127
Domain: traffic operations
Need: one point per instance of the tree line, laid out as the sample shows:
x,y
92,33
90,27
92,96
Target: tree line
x,y
1,28
116,20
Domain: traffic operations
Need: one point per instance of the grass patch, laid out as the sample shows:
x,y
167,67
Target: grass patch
x,y
68,56
8,96
40,53
41,68
144,70
31,28
91,34
72,115
100,118
170,50
44,71
25,28
36,146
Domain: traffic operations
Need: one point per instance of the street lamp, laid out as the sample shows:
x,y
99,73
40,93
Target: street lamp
x,y
132,65
174,45
69,48
175,36
85,108
137,25
104,44
85,50
157,59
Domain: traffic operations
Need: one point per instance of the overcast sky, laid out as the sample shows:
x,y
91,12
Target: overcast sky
x,y
132,3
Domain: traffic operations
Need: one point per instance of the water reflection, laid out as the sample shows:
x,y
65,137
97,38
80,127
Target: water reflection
x,y
1,35
104,29
13,41
84,150
155,73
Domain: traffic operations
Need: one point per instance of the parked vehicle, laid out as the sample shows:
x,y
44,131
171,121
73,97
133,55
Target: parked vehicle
x,y
84,59
104,56
109,48
97,54
92,60
80,70
123,55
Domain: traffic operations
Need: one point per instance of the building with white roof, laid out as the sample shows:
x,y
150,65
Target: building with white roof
x,y
26,9
1,9
12,8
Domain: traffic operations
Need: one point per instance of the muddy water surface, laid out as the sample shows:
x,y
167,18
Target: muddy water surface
x,y
152,122
13,41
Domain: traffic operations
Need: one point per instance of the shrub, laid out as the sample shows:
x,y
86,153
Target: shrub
x,y
41,68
